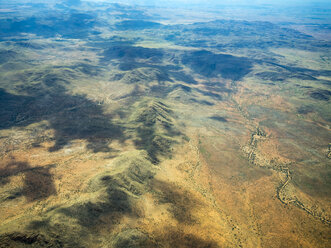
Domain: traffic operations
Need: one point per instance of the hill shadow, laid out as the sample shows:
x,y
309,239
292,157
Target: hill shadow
x,y
209,64
155,130
182,205
132,53
137,25
116,201
74,25
38,181
284,72
71,116
28,239
218,118
129,57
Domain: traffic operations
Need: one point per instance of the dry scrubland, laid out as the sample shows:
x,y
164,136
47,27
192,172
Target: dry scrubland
x,y
119,132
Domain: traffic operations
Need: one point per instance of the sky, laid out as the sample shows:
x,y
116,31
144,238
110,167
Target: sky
x,y
188,3
213,2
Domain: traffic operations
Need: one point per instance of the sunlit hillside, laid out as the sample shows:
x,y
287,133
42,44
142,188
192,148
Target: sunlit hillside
x,y
162,124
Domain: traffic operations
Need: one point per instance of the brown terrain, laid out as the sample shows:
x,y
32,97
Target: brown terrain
x,y
122,133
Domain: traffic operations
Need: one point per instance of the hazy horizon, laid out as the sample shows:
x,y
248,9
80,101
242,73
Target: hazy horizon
x,y
146,124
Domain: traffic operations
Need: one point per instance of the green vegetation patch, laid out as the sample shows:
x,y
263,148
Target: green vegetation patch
x,y
132,238
130,171
108,197
155,129
29,239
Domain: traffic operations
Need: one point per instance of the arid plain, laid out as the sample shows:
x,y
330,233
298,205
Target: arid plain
x,y
136,126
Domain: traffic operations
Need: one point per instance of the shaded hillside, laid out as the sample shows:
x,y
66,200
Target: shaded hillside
x,y
212,65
